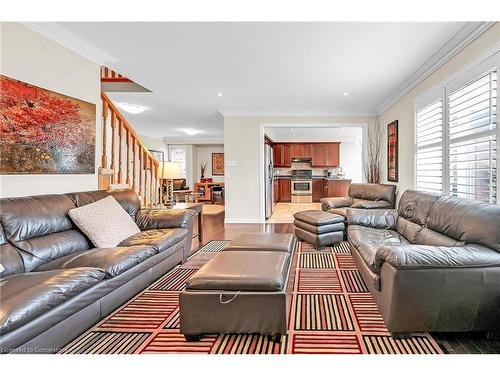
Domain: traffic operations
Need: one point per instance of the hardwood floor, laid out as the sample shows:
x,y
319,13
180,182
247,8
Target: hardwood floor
x,y
453,343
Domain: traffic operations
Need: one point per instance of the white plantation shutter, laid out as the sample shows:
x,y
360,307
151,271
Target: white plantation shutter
x,y
472,139
429,148
456,135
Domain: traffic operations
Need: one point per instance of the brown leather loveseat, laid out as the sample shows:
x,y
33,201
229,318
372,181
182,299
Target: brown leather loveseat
x,y
434,265
366,196
54,284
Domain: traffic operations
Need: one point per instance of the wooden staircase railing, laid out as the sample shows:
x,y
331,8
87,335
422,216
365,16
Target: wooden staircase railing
x,y
138,169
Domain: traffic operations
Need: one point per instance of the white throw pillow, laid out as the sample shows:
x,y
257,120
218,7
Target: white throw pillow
x,y
104,222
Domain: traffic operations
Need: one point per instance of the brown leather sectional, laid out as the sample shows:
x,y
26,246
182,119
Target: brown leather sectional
x,y
433,265
55,285
366,196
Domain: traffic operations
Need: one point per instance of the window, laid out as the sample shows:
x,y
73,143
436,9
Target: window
x,y
455,137
178,153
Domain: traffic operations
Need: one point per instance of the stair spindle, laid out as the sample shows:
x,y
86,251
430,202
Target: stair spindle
x,y
113,127
120,151
127,179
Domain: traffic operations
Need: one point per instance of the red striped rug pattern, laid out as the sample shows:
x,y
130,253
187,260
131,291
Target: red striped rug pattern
x,y
331,312
148,311
318,281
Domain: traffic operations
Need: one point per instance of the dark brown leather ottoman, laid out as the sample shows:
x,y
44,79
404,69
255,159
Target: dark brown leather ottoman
x,y
240,291
263,241
319,228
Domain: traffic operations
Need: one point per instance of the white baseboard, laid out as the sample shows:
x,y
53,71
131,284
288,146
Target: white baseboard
x,y
243,220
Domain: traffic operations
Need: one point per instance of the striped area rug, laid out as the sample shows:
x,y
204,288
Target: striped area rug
x,y
331,312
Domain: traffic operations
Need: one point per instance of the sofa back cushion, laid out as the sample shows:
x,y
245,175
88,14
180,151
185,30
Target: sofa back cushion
x,y
40,228
374,192
466,221
127,198
413,212
179,183
10,259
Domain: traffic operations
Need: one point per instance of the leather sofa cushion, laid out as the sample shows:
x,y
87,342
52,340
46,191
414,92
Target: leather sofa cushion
x,y
421,256
263,241
243,270
430,237
159,239
408,229
10,259
113,261
161,218
377,218
318,218
127,198
338,211
26,296
362,203
415,206
374,192
467,221
335,202
368,240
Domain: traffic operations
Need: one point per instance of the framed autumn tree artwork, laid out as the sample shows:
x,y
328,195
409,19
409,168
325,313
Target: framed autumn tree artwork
x,y
218,164
392,151
44,132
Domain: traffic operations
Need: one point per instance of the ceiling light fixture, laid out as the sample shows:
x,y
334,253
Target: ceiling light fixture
x,y
220,94
190,131
132,108
345,94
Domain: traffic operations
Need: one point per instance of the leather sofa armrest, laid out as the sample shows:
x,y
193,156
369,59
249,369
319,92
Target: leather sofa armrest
x,y
372,204
163,218
379,219
423,256
336,202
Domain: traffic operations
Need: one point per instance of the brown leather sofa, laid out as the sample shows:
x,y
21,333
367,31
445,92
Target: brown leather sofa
x,y
55,285
367,196
434,265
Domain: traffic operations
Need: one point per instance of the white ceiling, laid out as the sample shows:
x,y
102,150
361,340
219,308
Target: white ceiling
x,y
312,134
259,67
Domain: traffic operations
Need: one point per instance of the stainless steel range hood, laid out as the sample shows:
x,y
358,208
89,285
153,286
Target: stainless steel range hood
x,y
301,160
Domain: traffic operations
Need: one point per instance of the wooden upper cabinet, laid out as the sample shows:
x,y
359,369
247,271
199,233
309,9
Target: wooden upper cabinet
x,y
308,150
332,154
296,150
318,156
281,155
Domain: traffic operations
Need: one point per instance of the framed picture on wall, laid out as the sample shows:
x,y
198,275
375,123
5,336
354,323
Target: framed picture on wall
x,y
392,151
218,164
158,155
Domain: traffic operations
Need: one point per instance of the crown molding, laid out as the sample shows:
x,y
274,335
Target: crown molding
x,y
293,113
67,39
470,32
193,140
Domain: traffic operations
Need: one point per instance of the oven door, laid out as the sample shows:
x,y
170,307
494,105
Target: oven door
x,y
301,187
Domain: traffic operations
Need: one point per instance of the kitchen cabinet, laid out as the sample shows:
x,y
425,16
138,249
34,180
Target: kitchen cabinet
x,y
276,191
285,190
317,189
318,155
281,155
336,188
308,150
332,154
296,150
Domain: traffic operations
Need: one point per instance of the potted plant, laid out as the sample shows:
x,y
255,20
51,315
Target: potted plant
x,y
203,167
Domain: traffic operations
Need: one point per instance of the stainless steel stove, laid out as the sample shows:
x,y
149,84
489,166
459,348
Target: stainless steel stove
x,y
302,186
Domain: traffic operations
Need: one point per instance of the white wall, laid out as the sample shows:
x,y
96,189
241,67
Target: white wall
x,y
32,58
351,160
155,144
242,145
402,110
204,153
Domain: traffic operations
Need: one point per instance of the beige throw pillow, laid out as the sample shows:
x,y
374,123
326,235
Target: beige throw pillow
x,y
104,222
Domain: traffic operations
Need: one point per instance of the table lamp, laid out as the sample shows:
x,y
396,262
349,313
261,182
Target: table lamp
x,y
168,171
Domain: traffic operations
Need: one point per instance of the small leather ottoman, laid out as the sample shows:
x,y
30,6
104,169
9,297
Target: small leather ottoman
x,y
319,228
242,289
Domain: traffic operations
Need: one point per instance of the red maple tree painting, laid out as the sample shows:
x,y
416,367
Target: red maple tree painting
x,y
44,132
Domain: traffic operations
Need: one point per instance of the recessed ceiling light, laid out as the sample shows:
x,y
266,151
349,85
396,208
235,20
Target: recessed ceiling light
x,y
132,108
220,94
345,94
190,131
